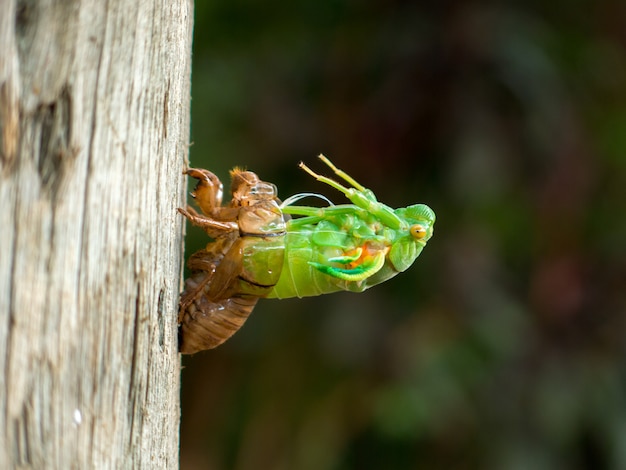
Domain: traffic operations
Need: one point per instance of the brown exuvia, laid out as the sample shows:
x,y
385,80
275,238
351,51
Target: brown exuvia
x,y
226,281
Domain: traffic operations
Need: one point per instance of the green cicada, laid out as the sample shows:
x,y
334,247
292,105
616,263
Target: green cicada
x,y
258,252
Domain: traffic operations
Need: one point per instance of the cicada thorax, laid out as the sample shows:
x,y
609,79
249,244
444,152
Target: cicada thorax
x,y
234,271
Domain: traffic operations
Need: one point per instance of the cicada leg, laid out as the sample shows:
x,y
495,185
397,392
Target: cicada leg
x,y
342,174
365,262
208,194
208,258
358,194
194,288
330,182
208,191
214,228
316,214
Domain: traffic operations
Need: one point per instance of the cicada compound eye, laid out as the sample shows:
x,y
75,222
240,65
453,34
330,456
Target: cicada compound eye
x,y
417,231
263,189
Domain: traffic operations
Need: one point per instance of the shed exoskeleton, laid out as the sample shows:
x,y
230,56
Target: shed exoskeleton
x,y
239,266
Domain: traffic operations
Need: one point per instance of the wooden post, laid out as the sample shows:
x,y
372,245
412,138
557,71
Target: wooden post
x,y
94,126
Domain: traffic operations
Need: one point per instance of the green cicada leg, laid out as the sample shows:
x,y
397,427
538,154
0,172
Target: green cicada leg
x,y
331,182
358,195
342,174
347,259
315,214
370,265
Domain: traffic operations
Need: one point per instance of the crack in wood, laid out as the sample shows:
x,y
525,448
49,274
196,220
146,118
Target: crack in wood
x,y
55,123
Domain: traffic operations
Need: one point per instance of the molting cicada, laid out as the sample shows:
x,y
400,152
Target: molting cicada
x,y
259,251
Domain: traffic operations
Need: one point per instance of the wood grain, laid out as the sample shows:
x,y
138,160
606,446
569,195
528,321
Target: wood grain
x,y
94,127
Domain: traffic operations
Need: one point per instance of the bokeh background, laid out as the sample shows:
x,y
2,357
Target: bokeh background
x,y
503,347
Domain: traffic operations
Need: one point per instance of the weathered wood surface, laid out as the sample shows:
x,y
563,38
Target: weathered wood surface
x,y
94,107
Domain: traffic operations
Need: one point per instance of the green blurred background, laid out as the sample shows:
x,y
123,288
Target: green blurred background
x,y
503,346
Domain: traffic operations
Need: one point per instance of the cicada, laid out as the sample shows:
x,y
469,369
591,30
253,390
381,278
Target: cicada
x,y
259,250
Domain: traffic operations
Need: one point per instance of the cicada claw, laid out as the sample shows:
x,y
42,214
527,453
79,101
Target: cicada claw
x,y
208,191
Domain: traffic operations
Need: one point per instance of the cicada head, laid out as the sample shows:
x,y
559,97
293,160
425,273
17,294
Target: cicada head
x,y
420,221
248,189
241,182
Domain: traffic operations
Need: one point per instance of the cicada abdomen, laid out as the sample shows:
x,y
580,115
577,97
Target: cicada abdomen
x,y
242,264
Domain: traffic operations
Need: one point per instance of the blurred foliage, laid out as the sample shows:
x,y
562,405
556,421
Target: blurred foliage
x,y
503,347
